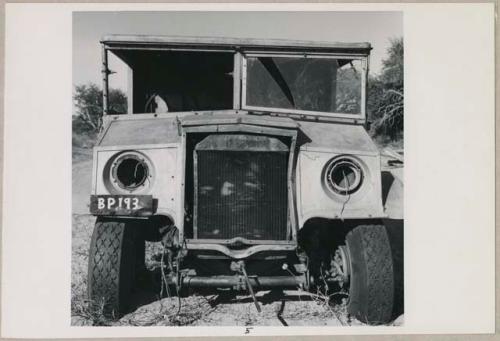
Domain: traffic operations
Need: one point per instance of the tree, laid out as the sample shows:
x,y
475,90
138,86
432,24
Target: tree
x,y
89,107
386,96
393,67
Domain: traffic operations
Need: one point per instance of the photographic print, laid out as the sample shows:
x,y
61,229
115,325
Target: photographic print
x,y
237,169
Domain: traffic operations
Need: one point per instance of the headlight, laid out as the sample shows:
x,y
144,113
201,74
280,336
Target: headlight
x,y
343,175
130,171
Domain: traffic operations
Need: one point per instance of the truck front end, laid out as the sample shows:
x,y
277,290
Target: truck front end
x,y
247,160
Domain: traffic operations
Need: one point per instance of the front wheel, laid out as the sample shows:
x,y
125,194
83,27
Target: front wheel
x,y
116,259
370,274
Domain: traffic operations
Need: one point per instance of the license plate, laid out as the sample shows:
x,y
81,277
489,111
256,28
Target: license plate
x,y
137,205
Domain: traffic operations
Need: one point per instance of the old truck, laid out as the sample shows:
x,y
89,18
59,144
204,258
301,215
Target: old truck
x,y
251,162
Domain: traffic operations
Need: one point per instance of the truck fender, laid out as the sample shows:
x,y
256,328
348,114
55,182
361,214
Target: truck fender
x,y
393,193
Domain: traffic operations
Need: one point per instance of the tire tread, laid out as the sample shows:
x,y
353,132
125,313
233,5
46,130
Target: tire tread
x,y
108,275
376,304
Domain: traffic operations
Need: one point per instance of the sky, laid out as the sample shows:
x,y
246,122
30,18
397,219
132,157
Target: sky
x,y
376,28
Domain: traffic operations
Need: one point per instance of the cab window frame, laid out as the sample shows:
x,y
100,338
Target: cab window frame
x,y
361,116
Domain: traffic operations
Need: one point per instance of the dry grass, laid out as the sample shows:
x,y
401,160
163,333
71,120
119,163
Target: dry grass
x,y
83,312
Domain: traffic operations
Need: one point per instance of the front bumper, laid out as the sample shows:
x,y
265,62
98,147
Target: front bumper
x,y
213,246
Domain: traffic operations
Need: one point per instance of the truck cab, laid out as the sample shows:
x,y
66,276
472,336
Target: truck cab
x,y
250,162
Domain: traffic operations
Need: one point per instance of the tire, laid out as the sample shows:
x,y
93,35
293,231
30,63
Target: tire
x,y
116,259
371,290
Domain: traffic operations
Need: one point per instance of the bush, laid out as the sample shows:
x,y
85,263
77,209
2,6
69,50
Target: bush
x,y
87,119
386,95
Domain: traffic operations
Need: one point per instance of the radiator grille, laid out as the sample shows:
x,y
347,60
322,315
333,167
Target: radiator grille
x,y
241,194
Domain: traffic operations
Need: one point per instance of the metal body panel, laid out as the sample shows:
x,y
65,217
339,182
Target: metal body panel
x,y
141,131
240,117
338,138
393,191
316,201
165,187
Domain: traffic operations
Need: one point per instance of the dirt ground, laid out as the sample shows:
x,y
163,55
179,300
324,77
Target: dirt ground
x,y
289,308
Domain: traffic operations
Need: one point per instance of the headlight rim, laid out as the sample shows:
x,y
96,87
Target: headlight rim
x,y
337,162
115,185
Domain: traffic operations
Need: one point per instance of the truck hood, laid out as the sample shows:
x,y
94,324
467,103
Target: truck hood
x,y
147,129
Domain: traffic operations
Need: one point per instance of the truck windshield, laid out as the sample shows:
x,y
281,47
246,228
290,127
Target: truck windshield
x,y
300,84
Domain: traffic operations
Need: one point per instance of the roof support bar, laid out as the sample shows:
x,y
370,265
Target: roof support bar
x,y
104,73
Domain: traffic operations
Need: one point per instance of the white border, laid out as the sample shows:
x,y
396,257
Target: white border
x,y
449,145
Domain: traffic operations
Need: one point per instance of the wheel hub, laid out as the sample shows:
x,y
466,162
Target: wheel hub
x,y
340,269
